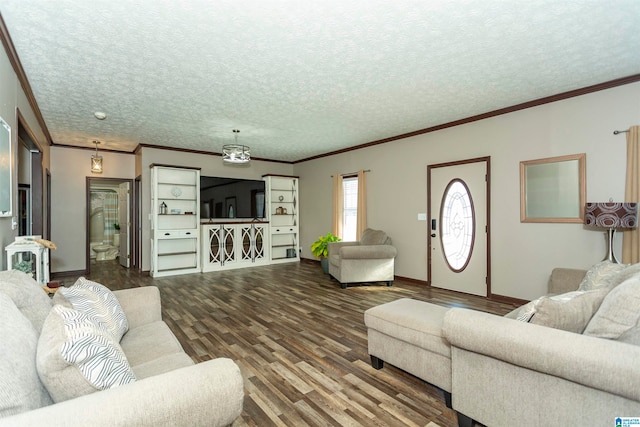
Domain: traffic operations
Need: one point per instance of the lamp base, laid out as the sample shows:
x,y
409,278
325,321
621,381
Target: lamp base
x,y
611,257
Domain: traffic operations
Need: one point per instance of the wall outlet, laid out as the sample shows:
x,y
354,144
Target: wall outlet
x,y
422,217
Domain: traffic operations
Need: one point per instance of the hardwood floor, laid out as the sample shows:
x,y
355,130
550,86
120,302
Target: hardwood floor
x,y
300,342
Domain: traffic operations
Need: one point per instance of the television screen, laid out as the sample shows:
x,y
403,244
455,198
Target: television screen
x,y
231,198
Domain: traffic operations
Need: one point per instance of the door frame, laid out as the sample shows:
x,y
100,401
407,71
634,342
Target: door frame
x,y
89,181
487,161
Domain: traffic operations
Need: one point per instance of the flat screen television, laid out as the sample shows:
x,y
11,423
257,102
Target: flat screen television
x,y
222,198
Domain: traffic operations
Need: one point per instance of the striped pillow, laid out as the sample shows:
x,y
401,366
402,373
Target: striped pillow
x,y
77,355
99,302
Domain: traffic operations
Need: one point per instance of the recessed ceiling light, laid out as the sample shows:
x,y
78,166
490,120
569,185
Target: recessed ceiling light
x,y
100,115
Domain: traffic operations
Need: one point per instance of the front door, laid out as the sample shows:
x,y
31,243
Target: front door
x,y
458,197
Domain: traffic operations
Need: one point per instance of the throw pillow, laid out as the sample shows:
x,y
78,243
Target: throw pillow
x,y
632,336
20,387
526,312
619,311
27,295
99,302
570,314
599,274
77,356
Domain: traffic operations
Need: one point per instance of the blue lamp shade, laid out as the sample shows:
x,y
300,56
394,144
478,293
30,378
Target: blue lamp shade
x,y
611,215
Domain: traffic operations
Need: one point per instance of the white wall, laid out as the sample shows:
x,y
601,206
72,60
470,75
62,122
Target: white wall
x,y
210,165
523,254
12,97
69,171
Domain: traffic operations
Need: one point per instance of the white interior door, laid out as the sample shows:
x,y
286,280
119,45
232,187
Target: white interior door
x,y
458,226
124,190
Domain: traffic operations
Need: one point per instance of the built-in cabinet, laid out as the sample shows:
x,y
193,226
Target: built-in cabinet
x,y
234,245
175,220
283,208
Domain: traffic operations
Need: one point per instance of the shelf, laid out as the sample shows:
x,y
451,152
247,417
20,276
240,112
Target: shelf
x,y
183,214
178,253
284,246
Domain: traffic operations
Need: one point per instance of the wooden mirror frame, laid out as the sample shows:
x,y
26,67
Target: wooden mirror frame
x,y
6,191
553,189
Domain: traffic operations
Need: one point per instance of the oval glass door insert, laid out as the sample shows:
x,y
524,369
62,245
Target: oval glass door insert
x,y
457,225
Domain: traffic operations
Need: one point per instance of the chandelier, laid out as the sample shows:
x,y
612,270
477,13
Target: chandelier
x,y
96,160
235,153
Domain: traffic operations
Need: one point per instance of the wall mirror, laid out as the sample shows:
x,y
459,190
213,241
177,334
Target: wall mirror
x,y
553,189
5,168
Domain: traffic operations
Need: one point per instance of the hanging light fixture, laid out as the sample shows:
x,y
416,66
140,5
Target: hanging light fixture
x,y
96,160
235,153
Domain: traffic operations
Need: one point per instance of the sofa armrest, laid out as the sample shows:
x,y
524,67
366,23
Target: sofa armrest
x,y
563,280
368,252
598,363
334,247
209,393
140,305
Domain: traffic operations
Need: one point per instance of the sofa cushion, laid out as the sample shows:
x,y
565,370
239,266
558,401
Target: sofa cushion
x,y
373,237
20,386
619,311
77,356
571,314
166,363
27,295
98,302
599,274
416,322
149,342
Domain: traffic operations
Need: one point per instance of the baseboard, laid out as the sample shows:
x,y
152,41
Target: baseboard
x,y
62,274
310,261
508,300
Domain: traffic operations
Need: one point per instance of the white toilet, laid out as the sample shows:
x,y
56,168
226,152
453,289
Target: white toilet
x,y
101,251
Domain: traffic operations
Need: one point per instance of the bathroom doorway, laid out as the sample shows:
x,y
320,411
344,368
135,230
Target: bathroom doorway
x,y
109,221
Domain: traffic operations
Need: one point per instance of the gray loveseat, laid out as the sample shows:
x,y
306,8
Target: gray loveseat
x,y
372,259
169,389
507,372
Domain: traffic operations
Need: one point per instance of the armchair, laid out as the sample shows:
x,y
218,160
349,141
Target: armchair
x,y
369,260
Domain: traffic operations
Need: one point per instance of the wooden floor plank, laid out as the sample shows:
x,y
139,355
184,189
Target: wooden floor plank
x,y
300,342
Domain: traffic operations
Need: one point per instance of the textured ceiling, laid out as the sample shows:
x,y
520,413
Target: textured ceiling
x,y
303,78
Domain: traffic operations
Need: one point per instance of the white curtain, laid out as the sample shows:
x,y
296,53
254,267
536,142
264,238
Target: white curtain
x,y
110,215
631,238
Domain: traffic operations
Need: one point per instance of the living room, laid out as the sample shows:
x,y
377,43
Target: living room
x,y
522,255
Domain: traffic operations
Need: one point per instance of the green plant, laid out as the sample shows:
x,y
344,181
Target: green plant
x,y
24,266
116,226
320,247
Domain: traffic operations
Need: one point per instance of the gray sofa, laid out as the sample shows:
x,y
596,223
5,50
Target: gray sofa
x,y
372,259
507,372
169,389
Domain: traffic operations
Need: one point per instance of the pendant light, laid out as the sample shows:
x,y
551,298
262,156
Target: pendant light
x,y
236,153
96,160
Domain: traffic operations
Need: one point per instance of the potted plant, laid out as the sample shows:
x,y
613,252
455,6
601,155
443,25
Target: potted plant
x,y
320,249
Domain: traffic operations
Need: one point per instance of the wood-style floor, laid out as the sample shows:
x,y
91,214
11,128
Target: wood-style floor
x,y
300,342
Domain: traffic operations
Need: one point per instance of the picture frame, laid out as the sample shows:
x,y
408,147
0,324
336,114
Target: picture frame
x,y
553,189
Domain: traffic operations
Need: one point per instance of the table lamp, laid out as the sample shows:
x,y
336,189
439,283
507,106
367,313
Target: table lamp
x,y
612,216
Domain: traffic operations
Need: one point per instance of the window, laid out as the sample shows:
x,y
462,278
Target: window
x,y
457,225
349,208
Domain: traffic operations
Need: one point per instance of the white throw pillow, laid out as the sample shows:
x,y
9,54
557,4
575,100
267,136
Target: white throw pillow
x,y
77,355
99,302
568,313
20,387
599,275
619,312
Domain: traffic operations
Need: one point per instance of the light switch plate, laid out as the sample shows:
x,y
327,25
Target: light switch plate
x,y
422,217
